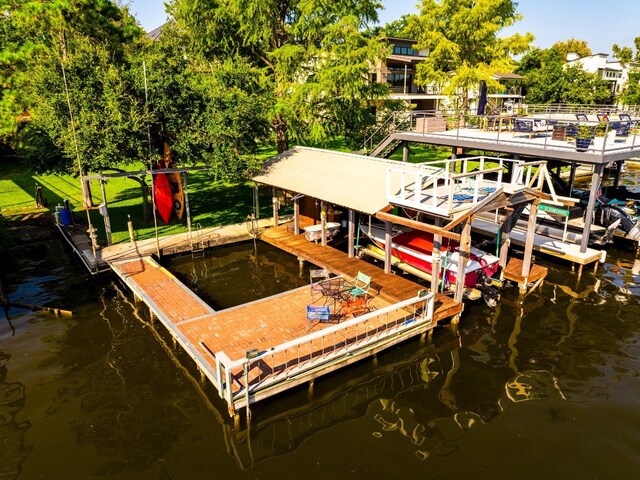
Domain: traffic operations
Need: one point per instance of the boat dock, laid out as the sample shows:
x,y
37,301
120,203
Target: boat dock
x,y
195,241
262,348
549,246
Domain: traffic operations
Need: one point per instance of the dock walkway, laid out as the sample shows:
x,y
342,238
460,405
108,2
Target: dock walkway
x,y
390,286
274,329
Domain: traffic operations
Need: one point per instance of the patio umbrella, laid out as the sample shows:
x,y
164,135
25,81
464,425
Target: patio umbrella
x,y
482,100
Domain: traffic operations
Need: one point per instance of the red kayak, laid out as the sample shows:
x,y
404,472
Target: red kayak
x,y
163,196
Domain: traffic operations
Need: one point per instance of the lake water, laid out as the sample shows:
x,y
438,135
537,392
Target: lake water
x,y
544,389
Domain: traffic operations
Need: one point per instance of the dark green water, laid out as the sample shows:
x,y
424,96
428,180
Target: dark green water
x,y
548,389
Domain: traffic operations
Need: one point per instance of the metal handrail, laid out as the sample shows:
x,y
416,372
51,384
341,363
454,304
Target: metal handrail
x,y
225,366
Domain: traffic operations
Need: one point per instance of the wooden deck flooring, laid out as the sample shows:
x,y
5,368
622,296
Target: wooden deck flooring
x,y
259,325
392,287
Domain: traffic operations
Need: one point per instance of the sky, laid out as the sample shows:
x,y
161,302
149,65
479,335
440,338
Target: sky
x,y
599,22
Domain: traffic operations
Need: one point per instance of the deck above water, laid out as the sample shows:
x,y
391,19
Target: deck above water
x,y
288,350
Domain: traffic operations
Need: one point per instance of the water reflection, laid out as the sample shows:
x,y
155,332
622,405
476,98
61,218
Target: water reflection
x,y
12,431
127,404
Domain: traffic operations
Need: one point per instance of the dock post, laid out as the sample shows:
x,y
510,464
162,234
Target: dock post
x,y
186,202
528,244
105,214
465,252
351,233
296,215
436,257
593,193
274,200
387,247
405,151
323,222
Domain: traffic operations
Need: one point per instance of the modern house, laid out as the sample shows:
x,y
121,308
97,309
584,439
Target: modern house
x,y
398,70
610,70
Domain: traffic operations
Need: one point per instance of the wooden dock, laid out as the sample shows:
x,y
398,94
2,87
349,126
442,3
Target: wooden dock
x,y
256,350
390,286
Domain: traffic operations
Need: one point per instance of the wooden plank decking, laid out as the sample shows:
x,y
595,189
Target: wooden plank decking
x,y
390,286
268,323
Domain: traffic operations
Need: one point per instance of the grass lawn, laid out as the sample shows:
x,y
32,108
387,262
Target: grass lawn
x,y
211,203
419,153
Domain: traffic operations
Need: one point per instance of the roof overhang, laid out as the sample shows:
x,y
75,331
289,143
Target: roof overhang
x,y
351,181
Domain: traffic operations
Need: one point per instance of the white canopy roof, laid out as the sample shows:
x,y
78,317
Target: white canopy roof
x,y
351,181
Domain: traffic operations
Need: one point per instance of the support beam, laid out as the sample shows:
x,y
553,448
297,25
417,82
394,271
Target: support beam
x,y
105,216
423,227
405,151
572,176
595,184
186,202
436,259
351,233
616,179
504,240
528,244
463,258
296,215
323,222
387,247
274,200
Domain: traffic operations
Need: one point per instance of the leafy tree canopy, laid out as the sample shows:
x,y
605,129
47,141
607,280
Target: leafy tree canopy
x,y
626,54
563,48
314,56
462,37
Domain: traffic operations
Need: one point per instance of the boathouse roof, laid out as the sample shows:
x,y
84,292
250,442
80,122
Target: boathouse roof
x,y
352,181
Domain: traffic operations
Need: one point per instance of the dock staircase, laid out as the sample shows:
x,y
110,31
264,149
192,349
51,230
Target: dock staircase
x,y
386,148
381,142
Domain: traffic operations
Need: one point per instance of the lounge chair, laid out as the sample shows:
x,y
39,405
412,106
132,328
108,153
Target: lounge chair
x,y
361,285
531,126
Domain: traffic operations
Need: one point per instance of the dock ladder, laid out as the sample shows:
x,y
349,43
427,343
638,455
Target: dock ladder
x,y
197,242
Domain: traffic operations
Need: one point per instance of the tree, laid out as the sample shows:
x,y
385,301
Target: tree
x,y
91,39
209,111
548,80
631,93
315,57
625,54
580,47
397,28
462,39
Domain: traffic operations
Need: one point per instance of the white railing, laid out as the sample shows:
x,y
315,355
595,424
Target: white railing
x,y
434,185
325,346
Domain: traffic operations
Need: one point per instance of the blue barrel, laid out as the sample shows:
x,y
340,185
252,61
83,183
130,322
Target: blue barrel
x,y
65,217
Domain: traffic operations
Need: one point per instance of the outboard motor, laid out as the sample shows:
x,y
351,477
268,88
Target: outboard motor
x,y
490,293
607,214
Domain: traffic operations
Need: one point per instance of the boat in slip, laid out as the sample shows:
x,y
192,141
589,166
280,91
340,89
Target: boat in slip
x,y
415,248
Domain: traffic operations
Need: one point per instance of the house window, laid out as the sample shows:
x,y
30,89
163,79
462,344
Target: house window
x,y
402,50
398,80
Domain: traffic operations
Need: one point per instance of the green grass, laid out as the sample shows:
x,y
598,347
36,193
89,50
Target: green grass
x,y
423,153
211,203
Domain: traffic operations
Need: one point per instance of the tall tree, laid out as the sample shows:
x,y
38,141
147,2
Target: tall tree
x,y
210,111
462,37
626,54
631,92
314,55
563,48
91,38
